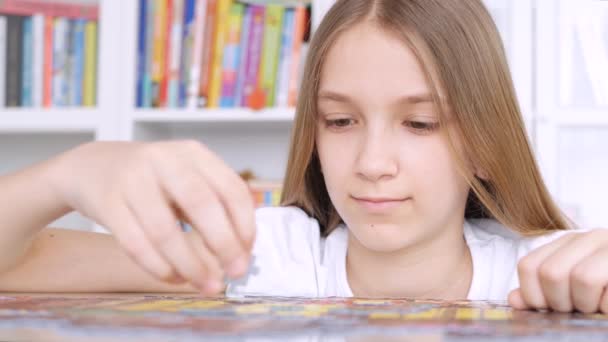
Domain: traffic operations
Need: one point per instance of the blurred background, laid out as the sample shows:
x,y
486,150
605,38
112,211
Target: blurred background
x,y
226,72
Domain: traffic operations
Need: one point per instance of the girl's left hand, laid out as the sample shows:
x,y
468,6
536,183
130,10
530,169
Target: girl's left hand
x,y
570,273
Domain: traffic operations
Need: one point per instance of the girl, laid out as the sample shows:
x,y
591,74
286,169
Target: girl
x,y
409,175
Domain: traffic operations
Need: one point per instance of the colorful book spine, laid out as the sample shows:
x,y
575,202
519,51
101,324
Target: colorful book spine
x,y
69,66
197,53
147,96
89,98
49,32
14,60
231,55
26,70
175,56
163,92
285,59
60,56
208,52
296,56
187,42
50,8
270,51
253,54
244,47
159,52
141,53
77,73
2,61
38,61
215,82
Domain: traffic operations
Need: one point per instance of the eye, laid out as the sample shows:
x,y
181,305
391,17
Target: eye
x,y
422,126
339,123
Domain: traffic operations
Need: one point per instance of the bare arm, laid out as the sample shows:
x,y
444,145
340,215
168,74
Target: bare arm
x,y
27,204
60,260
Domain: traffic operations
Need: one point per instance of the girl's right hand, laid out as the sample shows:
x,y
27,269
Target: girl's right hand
x,y
139,191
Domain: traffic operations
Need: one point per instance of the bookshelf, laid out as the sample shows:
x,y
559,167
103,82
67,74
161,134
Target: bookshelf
x,y
258,140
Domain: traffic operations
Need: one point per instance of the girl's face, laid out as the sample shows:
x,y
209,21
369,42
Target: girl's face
x,y
387,167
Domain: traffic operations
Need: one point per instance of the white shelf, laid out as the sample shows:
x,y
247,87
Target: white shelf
x,y
578,118
219,115
68,120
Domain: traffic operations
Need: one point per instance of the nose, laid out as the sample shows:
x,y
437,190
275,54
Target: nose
x,y
377,160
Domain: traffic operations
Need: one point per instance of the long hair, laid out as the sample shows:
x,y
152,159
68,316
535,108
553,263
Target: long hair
x,y
460,50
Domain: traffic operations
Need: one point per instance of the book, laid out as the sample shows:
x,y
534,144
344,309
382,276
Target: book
x,y
285,59
244,48
215,81
175,54
147,92
77,62
231,57
253,54
2,61
60,61
89,96
141,53
196,52
270,52
300,24
159,52
186,54
38,46
47,79
14,60
27,59
207,57
163,90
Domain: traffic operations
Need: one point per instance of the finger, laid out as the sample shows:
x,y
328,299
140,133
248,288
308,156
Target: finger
x,y
604,301
588,281
131,237
153,213
233,192
555,272
528,268
200,204
213,265
517,301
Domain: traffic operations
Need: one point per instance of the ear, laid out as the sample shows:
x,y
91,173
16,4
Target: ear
x,y
481,173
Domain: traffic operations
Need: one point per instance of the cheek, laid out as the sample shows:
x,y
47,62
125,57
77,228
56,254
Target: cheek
x,y
436,171
336,162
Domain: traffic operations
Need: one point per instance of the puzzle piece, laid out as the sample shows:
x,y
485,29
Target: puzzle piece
x,y
242,281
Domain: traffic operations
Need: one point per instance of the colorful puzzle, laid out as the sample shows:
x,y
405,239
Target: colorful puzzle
x,y
178,317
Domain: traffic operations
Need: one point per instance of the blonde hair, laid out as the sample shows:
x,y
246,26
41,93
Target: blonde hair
x,y
461,53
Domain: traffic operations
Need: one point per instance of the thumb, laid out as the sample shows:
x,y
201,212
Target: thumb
x,y
516,300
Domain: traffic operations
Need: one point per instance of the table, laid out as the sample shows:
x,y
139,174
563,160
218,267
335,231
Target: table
x,y
156,317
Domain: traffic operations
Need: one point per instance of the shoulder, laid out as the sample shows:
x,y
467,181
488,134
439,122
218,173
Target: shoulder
x,y
492,232
286,255
496,251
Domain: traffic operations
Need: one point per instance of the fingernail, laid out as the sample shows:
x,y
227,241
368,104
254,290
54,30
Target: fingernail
x,y
213,287
237,267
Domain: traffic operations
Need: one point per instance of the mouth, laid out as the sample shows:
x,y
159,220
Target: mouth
x,y
379,204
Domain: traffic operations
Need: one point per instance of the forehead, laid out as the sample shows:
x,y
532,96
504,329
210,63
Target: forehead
x,y
366,61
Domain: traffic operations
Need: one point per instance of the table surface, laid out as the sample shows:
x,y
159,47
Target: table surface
x,y
155,317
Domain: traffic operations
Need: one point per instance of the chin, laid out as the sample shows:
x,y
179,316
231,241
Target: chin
x,y
384,237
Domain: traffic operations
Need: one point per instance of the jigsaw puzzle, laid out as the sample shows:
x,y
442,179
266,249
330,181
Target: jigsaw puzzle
x,y
179,317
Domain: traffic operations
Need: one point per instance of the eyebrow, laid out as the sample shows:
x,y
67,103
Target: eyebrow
x,y
409,99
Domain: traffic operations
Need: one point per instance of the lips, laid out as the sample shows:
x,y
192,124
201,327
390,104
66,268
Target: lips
x,y
379,199
378,204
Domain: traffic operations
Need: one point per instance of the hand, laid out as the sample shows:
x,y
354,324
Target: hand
x,y
139,191
570,273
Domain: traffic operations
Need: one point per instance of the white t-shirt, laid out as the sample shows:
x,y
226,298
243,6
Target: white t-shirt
x,y
292,259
